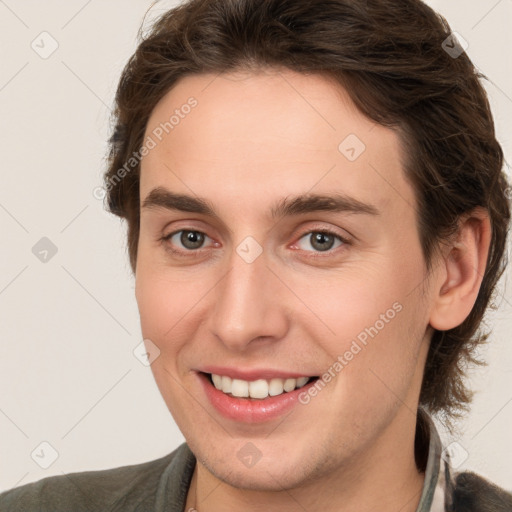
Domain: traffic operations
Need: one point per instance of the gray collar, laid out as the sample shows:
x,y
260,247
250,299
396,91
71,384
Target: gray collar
x,y
438,485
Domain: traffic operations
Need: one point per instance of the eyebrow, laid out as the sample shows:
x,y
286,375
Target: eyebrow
x,y
295,205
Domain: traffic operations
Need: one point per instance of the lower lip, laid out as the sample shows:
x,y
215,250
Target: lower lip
x,y
251,410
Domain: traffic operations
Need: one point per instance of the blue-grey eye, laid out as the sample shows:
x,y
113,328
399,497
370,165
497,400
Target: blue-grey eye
x,y
321,241
189,239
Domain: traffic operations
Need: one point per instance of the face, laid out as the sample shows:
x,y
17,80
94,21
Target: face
x,y
278,243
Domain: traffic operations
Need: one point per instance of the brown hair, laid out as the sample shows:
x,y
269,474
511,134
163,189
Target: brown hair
x,y
390,57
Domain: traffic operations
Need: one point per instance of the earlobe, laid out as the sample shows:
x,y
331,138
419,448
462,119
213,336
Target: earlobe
x,y
461,271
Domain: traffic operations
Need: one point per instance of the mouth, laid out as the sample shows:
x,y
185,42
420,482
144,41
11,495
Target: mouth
x,y
254,401
259,389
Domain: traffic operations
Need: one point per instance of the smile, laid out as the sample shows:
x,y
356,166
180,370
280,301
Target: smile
x,y
253,401
260,389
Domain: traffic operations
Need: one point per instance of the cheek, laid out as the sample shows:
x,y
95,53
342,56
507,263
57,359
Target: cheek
x,y
152,300
172,306
377,321
163,306
161,302
362,297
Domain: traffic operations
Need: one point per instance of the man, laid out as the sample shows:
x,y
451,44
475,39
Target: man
x,y
317,217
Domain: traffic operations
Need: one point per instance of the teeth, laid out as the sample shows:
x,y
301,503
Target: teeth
x,y
302,381
260,388
275,387
217,381
226,384
289,384
239,388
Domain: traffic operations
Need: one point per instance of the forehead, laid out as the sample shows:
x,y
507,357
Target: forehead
x,y
269,134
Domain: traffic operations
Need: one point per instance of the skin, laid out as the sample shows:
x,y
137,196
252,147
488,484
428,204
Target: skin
x,y
253,139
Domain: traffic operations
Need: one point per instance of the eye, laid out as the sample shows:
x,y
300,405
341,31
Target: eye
x,y
321,240
190,240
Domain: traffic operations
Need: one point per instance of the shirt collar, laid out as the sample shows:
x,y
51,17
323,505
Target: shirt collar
x,y
438,485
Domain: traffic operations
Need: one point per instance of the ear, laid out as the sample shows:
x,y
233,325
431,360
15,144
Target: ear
x,y
461,271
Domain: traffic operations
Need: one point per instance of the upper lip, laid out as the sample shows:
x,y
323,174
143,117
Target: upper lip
x,y
251,374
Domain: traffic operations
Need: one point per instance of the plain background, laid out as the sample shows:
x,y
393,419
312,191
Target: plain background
x,y
68,375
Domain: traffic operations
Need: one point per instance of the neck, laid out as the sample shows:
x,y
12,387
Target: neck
x,y
385,477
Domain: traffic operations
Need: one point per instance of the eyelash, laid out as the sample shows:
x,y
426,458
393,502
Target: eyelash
x,y
191,253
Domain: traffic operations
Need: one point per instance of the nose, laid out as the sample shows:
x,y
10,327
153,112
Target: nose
x,y
248,305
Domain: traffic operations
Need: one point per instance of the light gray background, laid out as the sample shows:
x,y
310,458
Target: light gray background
x,y
68,327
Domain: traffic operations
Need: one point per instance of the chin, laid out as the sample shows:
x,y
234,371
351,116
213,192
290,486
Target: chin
x,y
266,477
273,472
